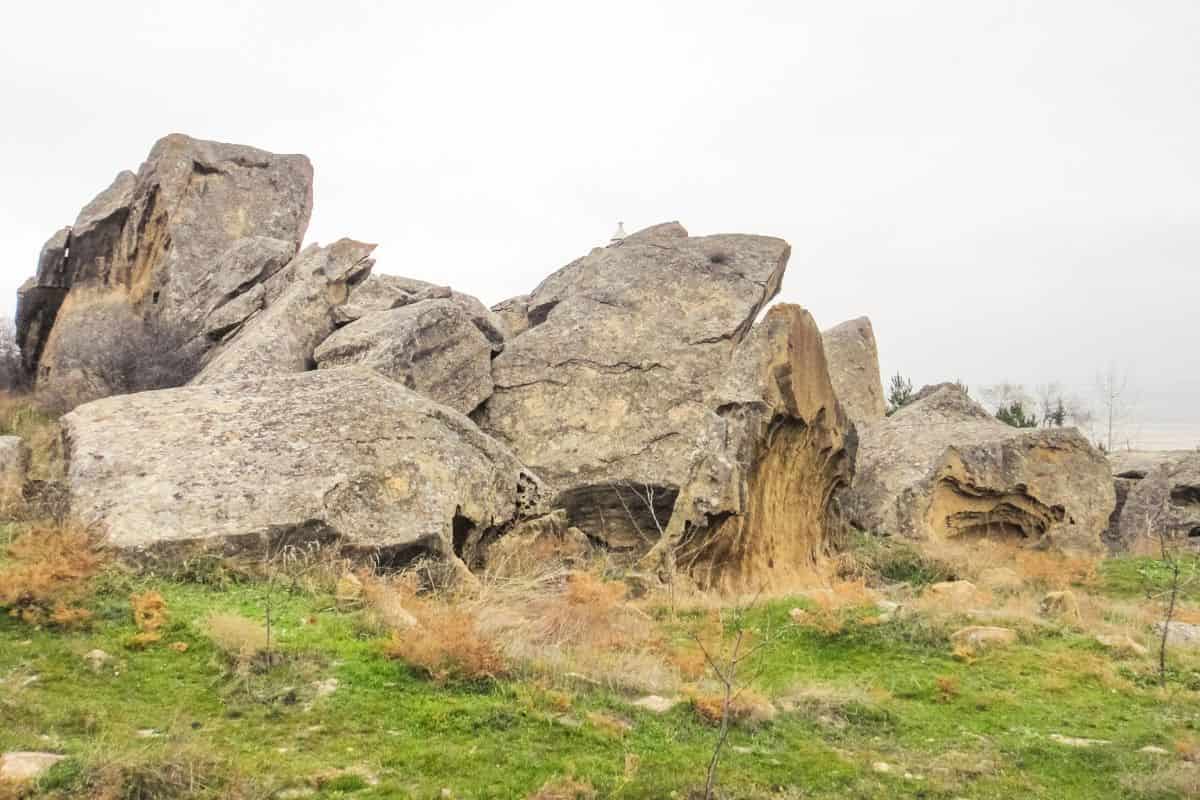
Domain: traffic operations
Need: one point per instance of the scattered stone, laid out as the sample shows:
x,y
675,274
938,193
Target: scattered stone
x,y
798,616
326,687
18,767
147,733
953,592
1154,750
656,703
1060,605
96,659
1072,741
1181,634
984,637
882,767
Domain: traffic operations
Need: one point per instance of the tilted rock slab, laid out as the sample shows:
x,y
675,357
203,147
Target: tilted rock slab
x,y
853,359
944,467
432,347
343,456
638,394
282,338
165,242
1166,502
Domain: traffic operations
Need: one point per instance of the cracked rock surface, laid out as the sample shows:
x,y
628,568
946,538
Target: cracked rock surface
x,y
343,456
167,244
943,467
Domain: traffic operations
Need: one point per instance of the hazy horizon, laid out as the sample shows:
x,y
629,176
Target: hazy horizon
x,y
1008,193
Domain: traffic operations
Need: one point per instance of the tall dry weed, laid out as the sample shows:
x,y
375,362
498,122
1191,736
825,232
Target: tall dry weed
x,y
49,572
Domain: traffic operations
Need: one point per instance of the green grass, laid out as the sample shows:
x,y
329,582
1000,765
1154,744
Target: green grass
x,y
1144,577
387,732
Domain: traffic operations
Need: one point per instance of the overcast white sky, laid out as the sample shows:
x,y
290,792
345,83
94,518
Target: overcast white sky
x,y
1010,190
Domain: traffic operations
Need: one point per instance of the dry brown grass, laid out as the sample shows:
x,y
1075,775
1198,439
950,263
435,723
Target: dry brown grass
x,y
241,639
564,788
746,707
1043,569
149,615
1173,780
49,572
21,416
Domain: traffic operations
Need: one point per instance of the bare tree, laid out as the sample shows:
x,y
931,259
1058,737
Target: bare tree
x,y
726,663
1116,400
1171,565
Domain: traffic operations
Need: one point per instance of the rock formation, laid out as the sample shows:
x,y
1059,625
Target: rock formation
x,y
638,393
339,456
943,467
385,292
14,466
854,369
282,338
431,347
167,243
1165,501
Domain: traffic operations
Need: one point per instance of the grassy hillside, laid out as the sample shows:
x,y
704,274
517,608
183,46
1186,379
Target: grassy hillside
x,y
839,701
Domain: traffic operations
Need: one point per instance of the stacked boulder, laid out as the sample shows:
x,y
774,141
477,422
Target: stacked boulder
x,y
1158,497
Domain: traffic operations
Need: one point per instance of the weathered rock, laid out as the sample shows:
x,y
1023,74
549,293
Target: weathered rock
x,y
152,241
431,347
1165,502
640,393
656,703
14,464
1060,605
282,338
1075,741
385,292
984,637
1181,634
20,767
943,467
241,284
956,593
854,369
342,456
1129,467
513,315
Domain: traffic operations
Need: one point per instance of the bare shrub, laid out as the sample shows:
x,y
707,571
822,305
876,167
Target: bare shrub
x,y
116,353
49,572
149,615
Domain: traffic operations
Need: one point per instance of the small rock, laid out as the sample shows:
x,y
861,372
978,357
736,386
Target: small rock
x,y
1121,643
179,647
656,703
18,767
1154,751
1072,741
882,767
147,733
295,793
96,659
326,687
1060,605
798,615
984,636
742,750
1183,634
956,592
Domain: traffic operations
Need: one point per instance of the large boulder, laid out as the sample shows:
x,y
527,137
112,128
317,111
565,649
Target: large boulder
x,y
432,347
1165,502
339,456
385,292
159,243
657,420
943,467
854,369
282,337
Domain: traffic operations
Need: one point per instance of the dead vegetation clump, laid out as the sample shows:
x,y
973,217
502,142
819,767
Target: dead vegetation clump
x,y
149,615
241,639
564,788
49,572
